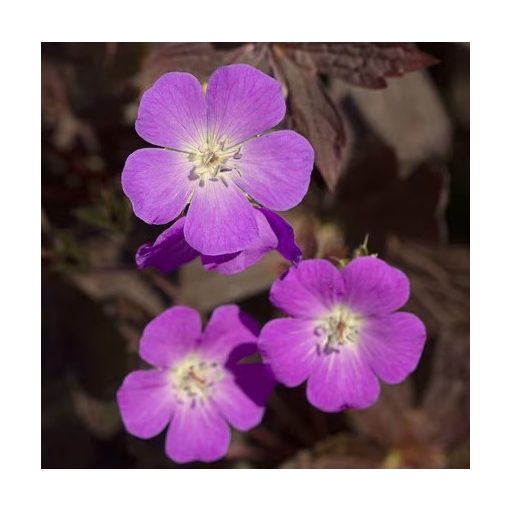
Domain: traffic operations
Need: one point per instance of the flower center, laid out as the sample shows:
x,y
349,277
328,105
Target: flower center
x,y
339,329
214,162
194,379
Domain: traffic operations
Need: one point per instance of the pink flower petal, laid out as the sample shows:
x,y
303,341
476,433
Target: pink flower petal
x,y
228,329
168,252
172,113
309,290
287,246
146,402
289,346
393,344
197,433
374,287
342,380
242,102
236,262
275,169
157,183
242,396
220,219
170,336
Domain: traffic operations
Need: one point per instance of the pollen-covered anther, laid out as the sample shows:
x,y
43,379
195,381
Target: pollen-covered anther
x,y
211,160
194,379
339,329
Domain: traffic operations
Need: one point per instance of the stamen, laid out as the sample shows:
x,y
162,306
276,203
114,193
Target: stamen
x,y
338,330
211,160
193,380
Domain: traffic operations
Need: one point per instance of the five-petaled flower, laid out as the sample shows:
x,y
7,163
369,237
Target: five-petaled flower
x,y
213,159
344,331
198,385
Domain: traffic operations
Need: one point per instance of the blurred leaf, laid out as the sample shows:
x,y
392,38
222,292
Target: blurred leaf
x,y
101,417
95,350
315,116
199,59
307,229
57,112
96,217
107,280
121,212
338,452
375,198
69,253
206,290
121,285
112,215
440,297
316,239
410,435
383,421
408,116
361,64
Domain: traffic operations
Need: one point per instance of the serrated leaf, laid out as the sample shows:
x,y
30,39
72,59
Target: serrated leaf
x,y
362,64
316,117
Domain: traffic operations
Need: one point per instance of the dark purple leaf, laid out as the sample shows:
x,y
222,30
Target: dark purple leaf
x,y
361,64
315,116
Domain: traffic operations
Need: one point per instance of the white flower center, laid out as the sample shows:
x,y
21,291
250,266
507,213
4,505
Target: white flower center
x,y
193,379
337,330
214,162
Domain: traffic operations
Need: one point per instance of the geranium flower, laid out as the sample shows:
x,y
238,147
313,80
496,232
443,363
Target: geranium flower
x,y
212,158
197,384
171,250
344,331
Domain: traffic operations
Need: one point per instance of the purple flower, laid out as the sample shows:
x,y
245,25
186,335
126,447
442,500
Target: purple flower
x,y
213,159
198,386
171,250
344,331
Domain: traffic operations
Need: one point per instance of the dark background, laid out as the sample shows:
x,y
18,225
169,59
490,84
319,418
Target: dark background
x,y
390,127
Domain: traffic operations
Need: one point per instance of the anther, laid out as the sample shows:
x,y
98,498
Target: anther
x,y
319,331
